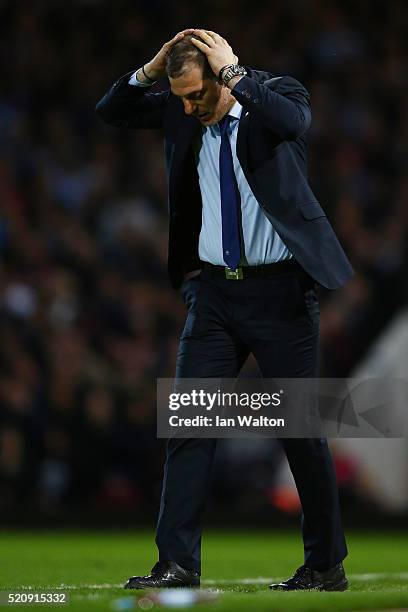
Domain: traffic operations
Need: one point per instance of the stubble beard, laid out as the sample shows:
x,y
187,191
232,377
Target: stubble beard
x,y
225,103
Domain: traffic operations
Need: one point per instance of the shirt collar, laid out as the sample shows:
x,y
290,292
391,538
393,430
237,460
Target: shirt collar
x,y
236,110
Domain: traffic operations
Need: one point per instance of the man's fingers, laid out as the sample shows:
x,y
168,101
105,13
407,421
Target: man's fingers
x,y
211,38
202,46
180,35
216,37
184,32
207,38
210,33
213,34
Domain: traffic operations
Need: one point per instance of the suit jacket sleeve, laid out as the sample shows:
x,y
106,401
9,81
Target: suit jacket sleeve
x,y
281,103
130,106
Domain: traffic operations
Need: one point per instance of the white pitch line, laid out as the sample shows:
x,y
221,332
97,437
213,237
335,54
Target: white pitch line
x,y
208,582
105,585
399,575
263,580
73,587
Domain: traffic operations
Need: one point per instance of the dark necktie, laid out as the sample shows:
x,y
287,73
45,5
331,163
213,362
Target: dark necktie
x,y
230,199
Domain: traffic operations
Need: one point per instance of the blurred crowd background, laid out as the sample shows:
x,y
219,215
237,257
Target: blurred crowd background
x,y
88,320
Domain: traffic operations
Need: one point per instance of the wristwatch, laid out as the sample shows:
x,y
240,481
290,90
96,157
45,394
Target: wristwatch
x,y
230,71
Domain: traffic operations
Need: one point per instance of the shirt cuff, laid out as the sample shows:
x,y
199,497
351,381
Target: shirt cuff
x,y
134,81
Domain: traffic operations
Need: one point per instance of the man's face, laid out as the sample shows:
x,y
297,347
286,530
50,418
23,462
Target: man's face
x,y
203,98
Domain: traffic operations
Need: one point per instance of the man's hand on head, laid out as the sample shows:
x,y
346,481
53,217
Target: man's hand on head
x,y
217,50
156,68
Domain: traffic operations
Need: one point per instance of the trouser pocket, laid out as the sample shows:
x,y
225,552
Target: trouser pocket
x,y
308,287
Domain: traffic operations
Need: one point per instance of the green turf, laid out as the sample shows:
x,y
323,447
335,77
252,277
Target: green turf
x,y
51,560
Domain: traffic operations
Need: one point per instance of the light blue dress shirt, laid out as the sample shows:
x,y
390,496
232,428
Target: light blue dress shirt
x,y
261,243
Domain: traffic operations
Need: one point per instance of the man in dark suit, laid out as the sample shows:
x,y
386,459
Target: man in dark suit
x,y
248,241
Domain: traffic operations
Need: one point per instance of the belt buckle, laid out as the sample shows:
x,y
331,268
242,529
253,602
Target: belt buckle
x,y
236,274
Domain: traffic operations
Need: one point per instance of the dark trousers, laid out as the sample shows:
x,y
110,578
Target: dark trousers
x,y
277,319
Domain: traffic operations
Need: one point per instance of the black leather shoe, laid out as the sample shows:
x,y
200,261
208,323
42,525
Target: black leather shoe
x,y
305,578
165,575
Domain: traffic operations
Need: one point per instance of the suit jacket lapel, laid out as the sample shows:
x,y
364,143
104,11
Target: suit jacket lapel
x,y
188,131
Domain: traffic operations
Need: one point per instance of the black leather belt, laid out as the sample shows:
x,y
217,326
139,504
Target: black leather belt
x,y
263,271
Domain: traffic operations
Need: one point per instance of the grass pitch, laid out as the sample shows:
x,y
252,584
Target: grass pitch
x,y
237,565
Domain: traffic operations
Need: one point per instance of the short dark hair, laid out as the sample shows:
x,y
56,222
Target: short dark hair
x,y
184,53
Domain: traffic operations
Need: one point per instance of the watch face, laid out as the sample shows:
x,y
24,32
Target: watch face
x,y
233,71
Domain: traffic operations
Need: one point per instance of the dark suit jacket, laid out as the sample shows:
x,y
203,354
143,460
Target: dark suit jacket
x,y
271,148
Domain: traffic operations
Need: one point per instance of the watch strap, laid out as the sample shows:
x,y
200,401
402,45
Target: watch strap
x,y
229,71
